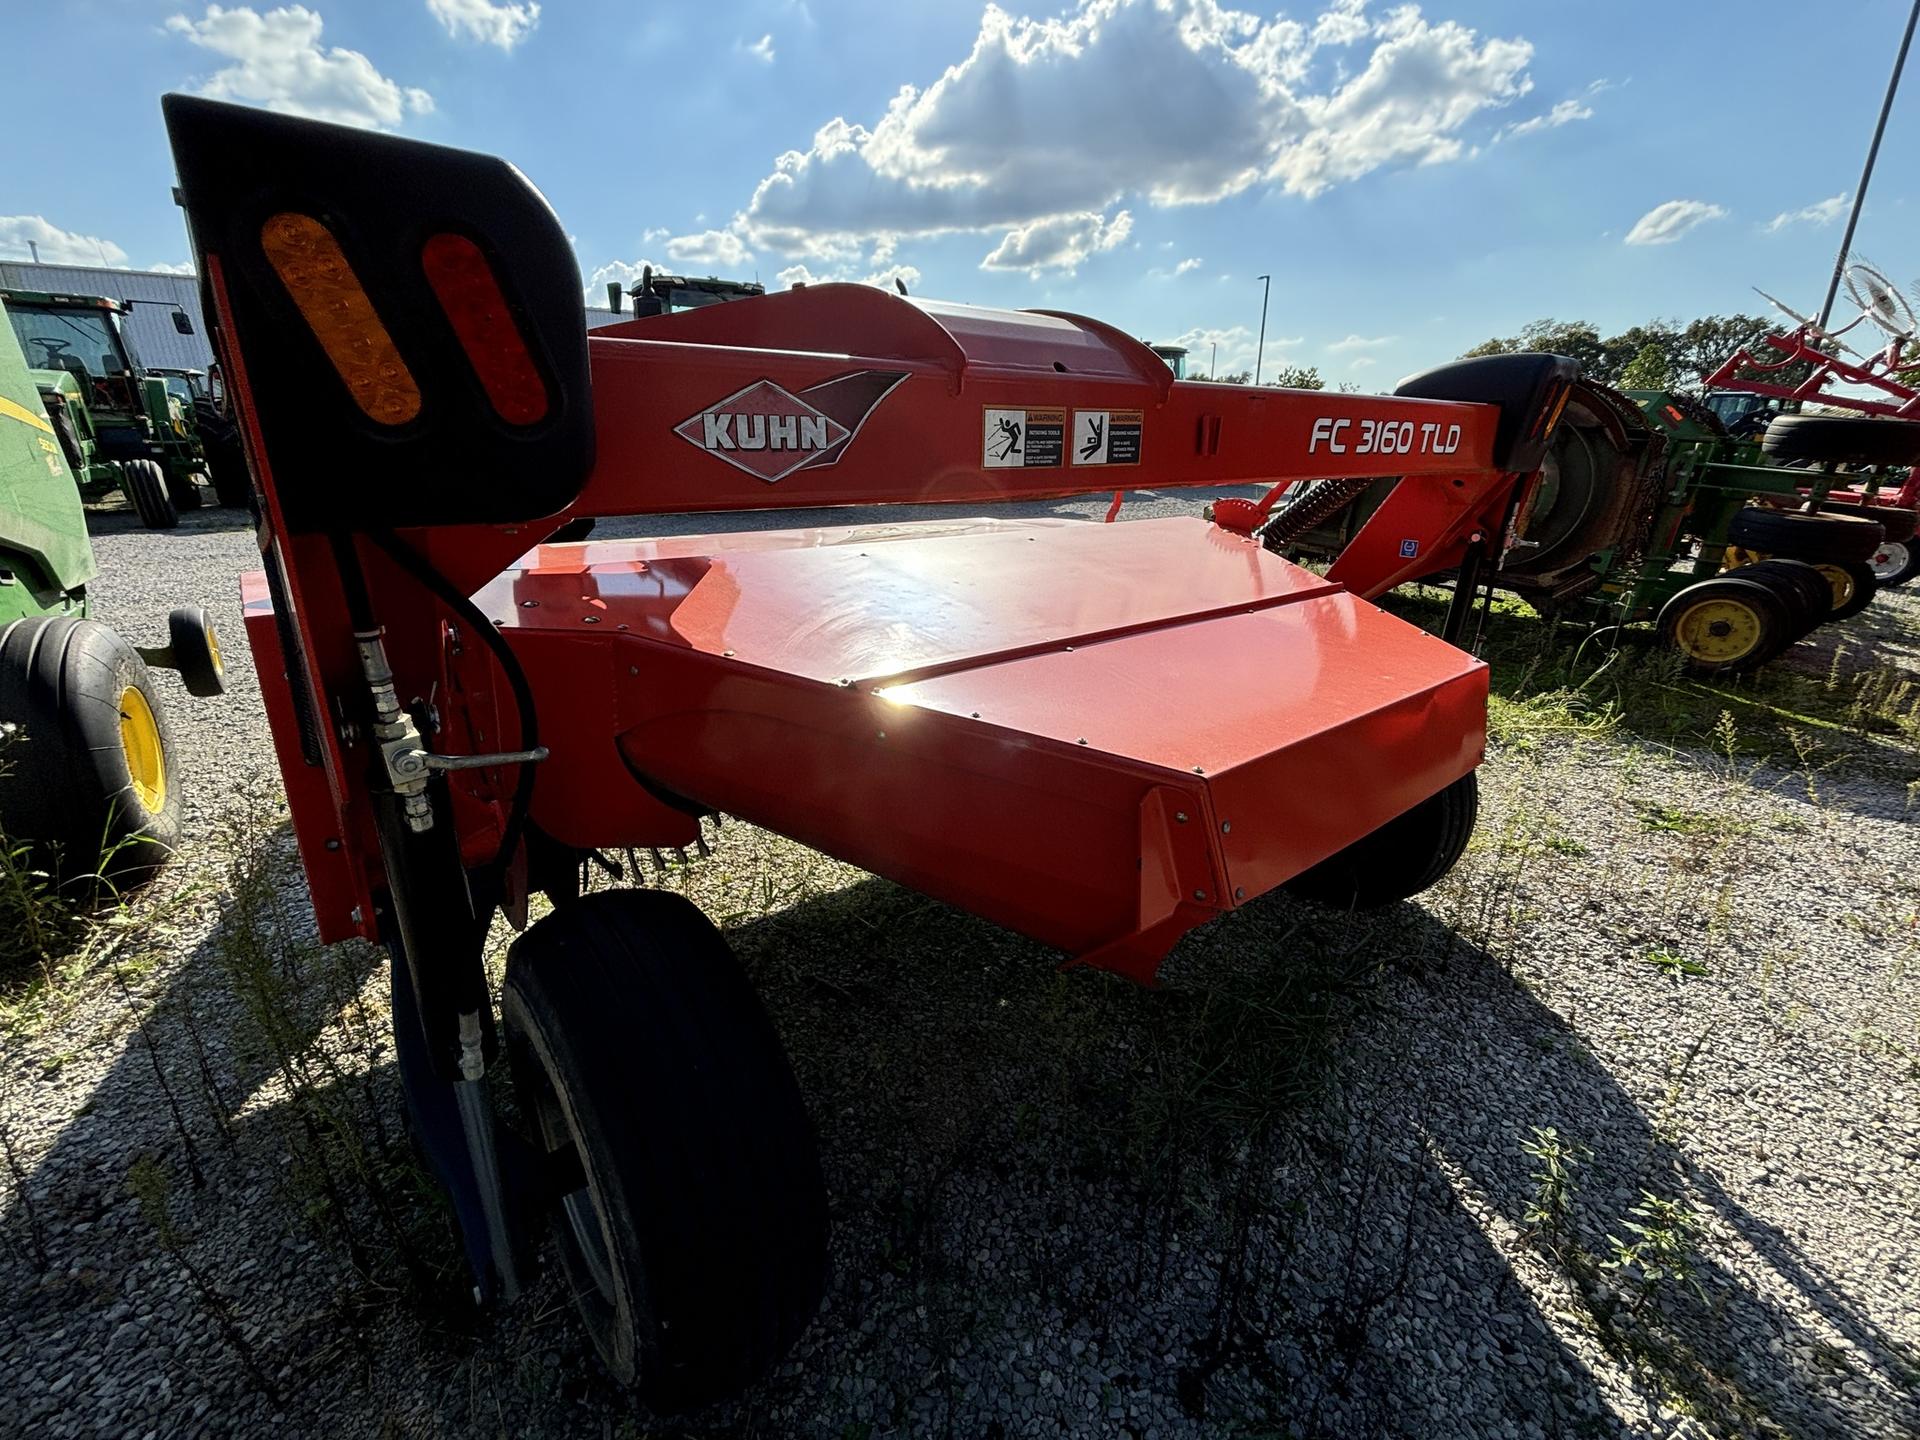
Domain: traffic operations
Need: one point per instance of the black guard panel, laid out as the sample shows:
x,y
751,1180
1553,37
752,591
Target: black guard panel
x,y
1523,386
457,461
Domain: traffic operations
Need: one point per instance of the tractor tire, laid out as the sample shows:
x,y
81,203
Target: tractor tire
x,y
1806,592
146,488
1726,625
1852,585
694,1234
1406,855
1895,563
1843,439
90,783
184,488
196,651
1800,536
1897,523
226,461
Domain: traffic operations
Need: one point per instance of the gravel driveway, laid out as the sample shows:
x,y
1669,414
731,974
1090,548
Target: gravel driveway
x,y
1296,1192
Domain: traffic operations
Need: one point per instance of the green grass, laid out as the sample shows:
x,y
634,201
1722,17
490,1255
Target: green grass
x,y
1675,967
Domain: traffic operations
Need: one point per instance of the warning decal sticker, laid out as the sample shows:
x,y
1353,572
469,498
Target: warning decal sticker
x,y
1024,439
1106,437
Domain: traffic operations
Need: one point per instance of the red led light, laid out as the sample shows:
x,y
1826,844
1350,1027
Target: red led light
x,y
468,291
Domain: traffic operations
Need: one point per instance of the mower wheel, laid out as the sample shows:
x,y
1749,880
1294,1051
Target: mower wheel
x,y
226,461
1896,522
690,1214
1843,439
90,782
1852,585
1800,536
1400,859
1805,592
196,651
146,488
1895,562
184,488
1726,625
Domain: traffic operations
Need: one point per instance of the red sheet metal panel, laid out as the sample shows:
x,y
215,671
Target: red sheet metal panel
x,y
1042,730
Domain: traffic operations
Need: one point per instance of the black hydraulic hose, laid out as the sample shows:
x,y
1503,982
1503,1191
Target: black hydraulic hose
x,y
494,876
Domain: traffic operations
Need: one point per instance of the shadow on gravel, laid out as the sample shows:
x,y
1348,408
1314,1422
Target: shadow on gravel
x,y
1283,1196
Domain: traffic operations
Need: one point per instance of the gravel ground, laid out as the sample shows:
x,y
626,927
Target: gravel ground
x,y
1285,1195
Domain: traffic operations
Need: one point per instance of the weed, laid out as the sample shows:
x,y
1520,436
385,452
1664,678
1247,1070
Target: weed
x,y
1550,1209
1675,967
1664,1248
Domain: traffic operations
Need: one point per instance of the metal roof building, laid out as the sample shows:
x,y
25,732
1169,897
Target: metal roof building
x,y
150,326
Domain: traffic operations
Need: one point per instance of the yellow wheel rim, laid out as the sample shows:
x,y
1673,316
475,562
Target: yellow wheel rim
x,y
140,742
213,650
1719,630
1839,581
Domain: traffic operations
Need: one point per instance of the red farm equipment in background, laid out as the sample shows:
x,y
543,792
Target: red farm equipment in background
x,y
1100,736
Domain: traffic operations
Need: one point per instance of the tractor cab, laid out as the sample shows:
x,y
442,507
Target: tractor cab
x,y
189,387
81,336
658,294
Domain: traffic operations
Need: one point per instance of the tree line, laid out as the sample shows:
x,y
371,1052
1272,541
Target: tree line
x,y
1659,355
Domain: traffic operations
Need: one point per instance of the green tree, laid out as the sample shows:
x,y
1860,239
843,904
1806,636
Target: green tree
x,y
1297,377
1648,370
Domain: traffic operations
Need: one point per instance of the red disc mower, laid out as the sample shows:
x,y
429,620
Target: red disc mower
x,y
1099,736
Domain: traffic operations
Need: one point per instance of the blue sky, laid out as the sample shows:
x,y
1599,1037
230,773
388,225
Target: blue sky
x,y
1414,178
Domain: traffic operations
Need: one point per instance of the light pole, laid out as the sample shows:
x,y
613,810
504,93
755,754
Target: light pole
x,y
1213,365
1873,152
1266,288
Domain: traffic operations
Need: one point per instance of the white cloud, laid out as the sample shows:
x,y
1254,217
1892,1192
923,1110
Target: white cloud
x,y
185,267
56,246
761,49
802,275
1237,347
279,63
503,25
1184,266
710,247
909,275
1058,242
797,275
627,272
1361,362
1821,212
1049,120
1666,223
1565,113
1361,342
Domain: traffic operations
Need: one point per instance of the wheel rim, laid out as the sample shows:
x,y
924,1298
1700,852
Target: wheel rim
x,y
1889,560
1838,581
557,1135
140,743
213,648
1719,630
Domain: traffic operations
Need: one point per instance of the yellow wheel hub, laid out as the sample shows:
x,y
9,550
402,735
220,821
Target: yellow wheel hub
x,y
1839,581
1719,630
140,742
213,650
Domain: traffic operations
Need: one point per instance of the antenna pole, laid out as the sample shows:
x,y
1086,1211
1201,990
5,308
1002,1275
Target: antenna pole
x,y
1873,153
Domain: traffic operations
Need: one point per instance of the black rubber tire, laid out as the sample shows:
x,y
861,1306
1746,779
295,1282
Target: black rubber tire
x,y
1408,854
1895,522
1895,562
1843,439
1776,627
146,487
183,487
1802,588
226,460
634,1037
1859,585
196,651
66,788
1800,536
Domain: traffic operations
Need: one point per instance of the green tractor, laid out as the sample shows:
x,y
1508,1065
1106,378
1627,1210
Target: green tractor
x,y
89,782
120,426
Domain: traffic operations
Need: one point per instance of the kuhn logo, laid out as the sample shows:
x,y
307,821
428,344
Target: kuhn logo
x,y
770,432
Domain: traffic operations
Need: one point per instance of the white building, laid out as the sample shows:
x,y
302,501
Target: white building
x,y
150,325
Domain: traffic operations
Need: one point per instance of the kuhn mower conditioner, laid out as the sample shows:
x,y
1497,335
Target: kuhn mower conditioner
x,y
1100,736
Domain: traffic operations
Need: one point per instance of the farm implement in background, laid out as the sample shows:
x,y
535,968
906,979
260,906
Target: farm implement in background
x,y
1100,736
